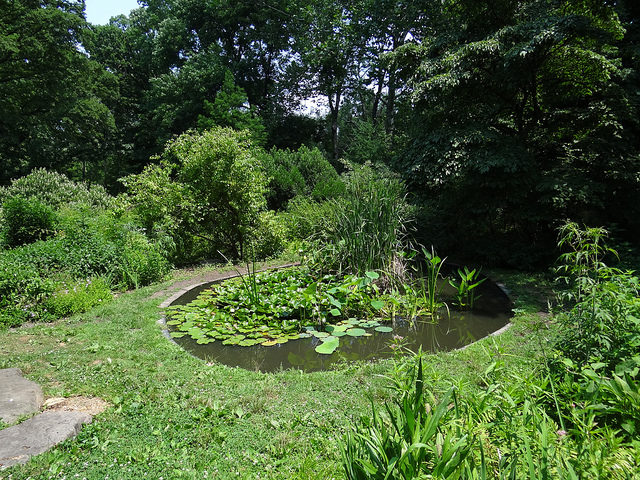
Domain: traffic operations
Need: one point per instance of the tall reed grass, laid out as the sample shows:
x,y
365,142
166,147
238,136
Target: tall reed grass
x,y
371,223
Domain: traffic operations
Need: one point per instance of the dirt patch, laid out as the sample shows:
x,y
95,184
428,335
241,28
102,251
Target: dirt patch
x,y
91,405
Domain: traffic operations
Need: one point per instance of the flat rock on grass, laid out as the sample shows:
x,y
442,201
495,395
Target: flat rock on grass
x,y
37,435
18,395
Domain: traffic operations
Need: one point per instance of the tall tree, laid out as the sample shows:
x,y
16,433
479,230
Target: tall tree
x,y
52,111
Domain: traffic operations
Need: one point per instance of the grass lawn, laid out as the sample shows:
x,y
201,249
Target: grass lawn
x,y
173,416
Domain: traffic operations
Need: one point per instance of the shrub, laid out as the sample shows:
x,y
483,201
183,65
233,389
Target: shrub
x,y
26,221
78,296
303,172
209,186
108,244
56,190
368,142
268,239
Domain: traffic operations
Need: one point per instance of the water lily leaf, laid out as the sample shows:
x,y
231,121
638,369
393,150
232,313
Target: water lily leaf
x,y
268,343
328,339
177,334
353,321
355,332
304,335
205,341
327,348
320,334
248,342
377,304
339,334
174,322
293,336
282,340
384,329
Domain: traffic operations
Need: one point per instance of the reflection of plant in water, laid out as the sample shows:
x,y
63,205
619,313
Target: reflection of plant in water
x,y
465,289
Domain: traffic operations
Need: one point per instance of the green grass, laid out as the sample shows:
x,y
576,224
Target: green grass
x,y
173,416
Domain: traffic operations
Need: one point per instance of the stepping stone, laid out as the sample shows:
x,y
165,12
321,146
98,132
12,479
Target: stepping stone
x,y
37,435
18,395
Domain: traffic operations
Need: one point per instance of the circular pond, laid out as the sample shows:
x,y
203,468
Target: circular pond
x,y
453,329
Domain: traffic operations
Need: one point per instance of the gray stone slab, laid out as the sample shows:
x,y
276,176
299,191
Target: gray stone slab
x,y
18,395
37,435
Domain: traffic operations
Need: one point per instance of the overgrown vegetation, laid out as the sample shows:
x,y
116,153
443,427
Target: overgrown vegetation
x,y
577,417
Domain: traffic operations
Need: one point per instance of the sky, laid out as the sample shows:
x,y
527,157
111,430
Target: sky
x,y
100,11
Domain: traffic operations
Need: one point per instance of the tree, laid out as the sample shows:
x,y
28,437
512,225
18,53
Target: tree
x,y
523,119
53,110
231,109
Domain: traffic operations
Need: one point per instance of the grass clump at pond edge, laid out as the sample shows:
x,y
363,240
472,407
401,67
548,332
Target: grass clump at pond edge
x,y
174,416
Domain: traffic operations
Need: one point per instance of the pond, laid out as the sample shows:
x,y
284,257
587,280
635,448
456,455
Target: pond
x,y
453,329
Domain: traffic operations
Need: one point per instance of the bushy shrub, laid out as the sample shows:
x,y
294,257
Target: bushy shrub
x,y
107,244
368,142
56,190
269,238
89,244
26,221
209,186
302,172
77,296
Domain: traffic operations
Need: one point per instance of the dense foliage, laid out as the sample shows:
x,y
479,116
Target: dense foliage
x,y
66,255
576,418
502,117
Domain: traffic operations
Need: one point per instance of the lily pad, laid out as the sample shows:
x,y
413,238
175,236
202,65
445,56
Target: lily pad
x,y
328,347
177,334
384,329
320,334
269,343
355,332
205,341
341,333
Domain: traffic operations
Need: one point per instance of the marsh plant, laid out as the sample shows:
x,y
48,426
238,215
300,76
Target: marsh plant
x,y
428,285
466,286
370,224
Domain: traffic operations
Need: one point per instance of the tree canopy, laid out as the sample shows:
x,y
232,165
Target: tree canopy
x,y
503,116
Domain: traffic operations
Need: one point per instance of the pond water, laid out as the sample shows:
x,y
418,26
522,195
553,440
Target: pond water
x,y
452,330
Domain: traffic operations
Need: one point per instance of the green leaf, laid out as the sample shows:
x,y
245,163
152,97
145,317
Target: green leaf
x,y
355,332
328,347
377,304
383,329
